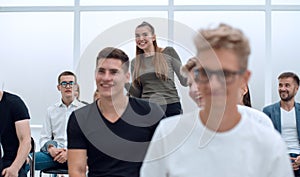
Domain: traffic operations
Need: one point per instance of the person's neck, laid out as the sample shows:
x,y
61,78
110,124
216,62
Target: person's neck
x,y
113,108
67,101
287,105
220,119
1,95
149,52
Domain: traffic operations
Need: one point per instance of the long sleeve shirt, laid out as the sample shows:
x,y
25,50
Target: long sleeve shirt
x,y
54,126
151,87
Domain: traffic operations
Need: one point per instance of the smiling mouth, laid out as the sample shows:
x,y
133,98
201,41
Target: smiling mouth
x,y
106,85
142,43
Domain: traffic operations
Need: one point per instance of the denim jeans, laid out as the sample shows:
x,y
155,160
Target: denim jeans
x,y
44,160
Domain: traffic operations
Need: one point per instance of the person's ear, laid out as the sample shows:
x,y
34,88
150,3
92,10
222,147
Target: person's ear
x,y
58,87
127,76
246,77
154,37
244,89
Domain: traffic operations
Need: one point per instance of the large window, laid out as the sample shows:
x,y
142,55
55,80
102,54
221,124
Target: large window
x,y
40,39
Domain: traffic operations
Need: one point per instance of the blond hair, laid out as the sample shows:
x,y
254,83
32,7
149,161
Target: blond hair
x,y
225,37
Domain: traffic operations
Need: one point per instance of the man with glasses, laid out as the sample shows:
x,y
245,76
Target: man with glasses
x,y
217,140
285,116
53,138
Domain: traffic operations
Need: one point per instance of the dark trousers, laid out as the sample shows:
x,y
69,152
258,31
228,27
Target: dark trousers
x,y
172,109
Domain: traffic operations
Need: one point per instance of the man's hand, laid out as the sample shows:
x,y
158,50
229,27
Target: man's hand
x,y
10,172
296,162
62,156
54,151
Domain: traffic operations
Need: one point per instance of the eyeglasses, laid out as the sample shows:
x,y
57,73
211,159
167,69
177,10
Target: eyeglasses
x,y
203,75
64,84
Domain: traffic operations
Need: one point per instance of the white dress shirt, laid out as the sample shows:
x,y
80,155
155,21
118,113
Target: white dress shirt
x,y
56,121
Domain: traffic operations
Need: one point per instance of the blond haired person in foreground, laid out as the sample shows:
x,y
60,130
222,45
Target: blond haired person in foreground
x,y
217,140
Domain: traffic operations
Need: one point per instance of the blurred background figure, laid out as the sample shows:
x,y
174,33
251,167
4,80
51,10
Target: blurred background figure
x,y
77,94
153,71
188,71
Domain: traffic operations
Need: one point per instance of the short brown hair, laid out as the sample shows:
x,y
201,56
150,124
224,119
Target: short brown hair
x,y
289,74
115,53
66,73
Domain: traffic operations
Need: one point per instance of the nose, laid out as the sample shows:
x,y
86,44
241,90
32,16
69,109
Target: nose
x,y
282,88
107,76
194,88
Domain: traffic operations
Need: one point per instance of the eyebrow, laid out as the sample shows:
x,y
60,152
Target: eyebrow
x,y
103,69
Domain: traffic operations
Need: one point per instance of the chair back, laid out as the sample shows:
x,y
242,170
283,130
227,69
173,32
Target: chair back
x,y
32,158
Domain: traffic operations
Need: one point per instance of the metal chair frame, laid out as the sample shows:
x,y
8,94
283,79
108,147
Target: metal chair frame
x,y
32,158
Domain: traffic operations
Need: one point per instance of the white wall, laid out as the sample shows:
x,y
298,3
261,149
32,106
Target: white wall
x,y
36,45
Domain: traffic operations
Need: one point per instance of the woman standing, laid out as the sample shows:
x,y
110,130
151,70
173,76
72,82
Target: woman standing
x,y
153,71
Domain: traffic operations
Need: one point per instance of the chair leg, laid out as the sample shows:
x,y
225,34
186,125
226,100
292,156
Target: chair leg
x,y
41,173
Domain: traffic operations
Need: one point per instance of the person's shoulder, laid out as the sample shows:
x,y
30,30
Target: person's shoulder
x,y
168,49
54,106
78,103
11,97
270,106
86,108
85,113
256,115
181,120
177,129
260,131
132,61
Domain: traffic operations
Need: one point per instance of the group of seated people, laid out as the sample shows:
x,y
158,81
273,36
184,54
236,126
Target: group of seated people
x,y
145,132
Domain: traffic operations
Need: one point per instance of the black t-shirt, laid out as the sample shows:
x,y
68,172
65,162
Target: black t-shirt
x,y
12,109
114,149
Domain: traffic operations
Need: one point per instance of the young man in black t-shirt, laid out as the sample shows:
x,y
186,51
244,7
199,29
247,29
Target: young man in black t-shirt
x,y
15,137
111,135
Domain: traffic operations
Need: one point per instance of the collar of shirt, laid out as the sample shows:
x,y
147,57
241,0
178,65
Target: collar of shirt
x,y
75,103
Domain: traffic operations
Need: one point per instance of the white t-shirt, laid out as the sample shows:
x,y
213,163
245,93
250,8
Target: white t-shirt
x,y
256,115
183,147
289,130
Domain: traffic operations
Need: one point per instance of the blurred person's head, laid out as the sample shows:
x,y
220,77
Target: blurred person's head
x,y
187,71
223,58
77,91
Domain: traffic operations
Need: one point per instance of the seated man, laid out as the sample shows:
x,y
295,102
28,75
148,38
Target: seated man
x,y
15,138
115,130
53,135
